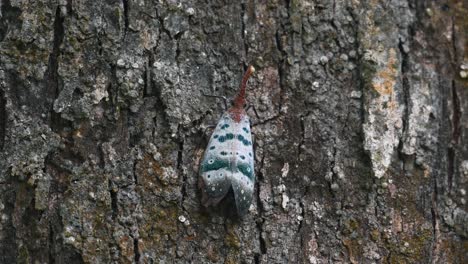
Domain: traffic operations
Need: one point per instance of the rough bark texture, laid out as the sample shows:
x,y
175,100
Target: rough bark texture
x,y
360,123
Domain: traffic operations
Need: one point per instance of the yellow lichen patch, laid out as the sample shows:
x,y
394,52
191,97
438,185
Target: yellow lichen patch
x,y
410,248
159,230
353,248
375,235
162,223
452,251
231,239
231,258
126,249
23,255
385,79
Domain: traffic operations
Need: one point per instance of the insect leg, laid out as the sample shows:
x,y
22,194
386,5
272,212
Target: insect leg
x,y
208,127
218,96
251,106
204,134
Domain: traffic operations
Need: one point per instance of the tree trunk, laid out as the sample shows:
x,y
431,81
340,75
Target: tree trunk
x,y
360,124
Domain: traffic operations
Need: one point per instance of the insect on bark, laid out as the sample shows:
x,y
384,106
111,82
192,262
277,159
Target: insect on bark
x,y
228,161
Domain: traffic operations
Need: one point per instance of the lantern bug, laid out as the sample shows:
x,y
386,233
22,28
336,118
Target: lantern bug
x,y
228,162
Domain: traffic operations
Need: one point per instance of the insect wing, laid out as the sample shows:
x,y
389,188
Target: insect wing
x,y
228,161
215,169
243,176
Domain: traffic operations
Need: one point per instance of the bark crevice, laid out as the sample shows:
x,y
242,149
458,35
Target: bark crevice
x,y
3,119
52,80
136,250
9,16
126,10
261,212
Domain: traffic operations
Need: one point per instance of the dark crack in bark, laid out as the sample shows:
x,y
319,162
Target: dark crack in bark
x,y
435,225
456,131
261,211
3,119
126,10
178,51
405,87
301,144
135,174
51,245
52,82
9,16
147,87
457,114
180,170
162,29
52,70
281,70
136,250
114,201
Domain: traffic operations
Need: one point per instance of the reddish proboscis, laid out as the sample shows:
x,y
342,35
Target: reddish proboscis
x,y
237,110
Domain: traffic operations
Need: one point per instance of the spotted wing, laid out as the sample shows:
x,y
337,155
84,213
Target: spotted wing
x,y
243,176
228,162
214,168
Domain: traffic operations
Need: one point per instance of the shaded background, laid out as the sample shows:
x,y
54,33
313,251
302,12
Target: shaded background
x,y
360,130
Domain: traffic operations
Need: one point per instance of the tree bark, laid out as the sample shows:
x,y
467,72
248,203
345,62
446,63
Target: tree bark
x,y
360,122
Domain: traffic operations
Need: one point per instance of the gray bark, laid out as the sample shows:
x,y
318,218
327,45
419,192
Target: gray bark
x,y
360,128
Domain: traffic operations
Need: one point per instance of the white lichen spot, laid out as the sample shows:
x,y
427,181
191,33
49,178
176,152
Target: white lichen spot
x,y
70,240
169,173
462,192
429,12
120,63
285,202
4,218
356,94
157,156
464,169
313,260
190,11
285,170
182,218
324,59
463,74
281,188
335,186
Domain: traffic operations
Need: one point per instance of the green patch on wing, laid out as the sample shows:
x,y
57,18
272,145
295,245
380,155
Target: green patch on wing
x,y
212,164
245,169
